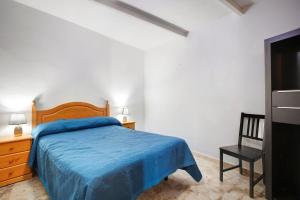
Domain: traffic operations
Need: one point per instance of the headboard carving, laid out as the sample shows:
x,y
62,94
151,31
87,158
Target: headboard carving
x,y
73,110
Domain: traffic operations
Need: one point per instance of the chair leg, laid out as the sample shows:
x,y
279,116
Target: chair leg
x,y
251,180
221,165
241,166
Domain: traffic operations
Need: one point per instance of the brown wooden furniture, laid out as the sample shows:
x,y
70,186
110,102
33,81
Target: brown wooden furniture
x,y
282,128
73,110
14,155
245,153
130,125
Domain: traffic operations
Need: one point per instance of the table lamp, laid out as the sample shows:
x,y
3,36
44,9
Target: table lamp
x,y
125,112
17,120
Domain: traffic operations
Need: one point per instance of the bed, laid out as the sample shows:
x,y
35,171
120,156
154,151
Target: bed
x,y
79,152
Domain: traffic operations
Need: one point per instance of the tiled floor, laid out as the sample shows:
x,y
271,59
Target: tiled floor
x,y
179,186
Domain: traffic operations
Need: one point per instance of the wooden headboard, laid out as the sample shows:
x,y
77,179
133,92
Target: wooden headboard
x,y
73,110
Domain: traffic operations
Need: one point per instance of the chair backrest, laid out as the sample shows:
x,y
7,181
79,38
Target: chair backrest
x,y
251,130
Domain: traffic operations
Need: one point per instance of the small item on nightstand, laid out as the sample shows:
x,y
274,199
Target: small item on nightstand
x,y
17,120
125,112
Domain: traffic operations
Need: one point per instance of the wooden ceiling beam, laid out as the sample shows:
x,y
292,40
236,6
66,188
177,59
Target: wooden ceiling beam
x,y
234,6
141,14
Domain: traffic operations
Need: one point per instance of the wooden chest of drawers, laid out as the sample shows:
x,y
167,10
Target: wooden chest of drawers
x,y
14,156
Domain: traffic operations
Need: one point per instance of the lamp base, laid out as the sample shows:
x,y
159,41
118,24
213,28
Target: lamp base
x,y
18,131
124,118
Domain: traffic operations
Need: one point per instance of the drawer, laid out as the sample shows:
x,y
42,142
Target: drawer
x,y
130,126
15,147
12,172
14,159
15,180
286,98
286,115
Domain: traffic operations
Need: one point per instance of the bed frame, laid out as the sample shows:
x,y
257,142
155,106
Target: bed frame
x,y
73,110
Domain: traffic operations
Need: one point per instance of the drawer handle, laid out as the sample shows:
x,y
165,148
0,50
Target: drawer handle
x,y
11,162
288,107
286,91
11,149
10,173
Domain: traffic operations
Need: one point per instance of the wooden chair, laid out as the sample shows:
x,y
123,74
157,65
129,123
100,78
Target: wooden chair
x,y
245,153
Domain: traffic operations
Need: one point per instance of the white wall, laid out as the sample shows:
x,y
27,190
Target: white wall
x,y
57,61
197,88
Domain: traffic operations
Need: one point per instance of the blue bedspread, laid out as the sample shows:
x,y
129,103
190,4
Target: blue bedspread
x,y
96,158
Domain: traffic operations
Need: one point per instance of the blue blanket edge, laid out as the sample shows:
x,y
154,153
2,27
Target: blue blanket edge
x,y
197,179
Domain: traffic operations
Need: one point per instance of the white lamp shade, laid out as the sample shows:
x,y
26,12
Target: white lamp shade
x,y
125,111
17,119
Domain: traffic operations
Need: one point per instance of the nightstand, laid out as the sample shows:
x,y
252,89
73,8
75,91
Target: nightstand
x,y
14,156
130,125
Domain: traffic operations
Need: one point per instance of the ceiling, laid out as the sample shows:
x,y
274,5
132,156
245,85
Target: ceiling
x,y
188,14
